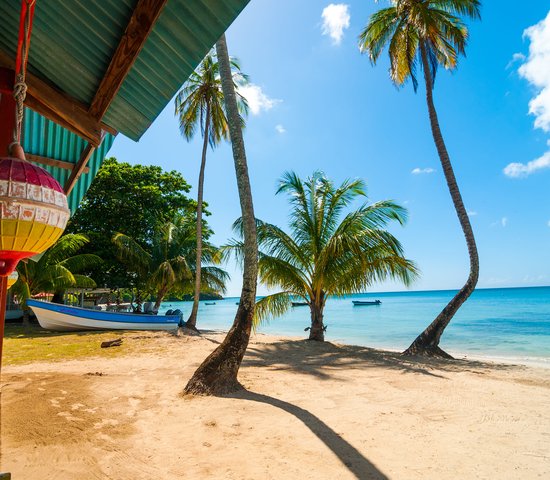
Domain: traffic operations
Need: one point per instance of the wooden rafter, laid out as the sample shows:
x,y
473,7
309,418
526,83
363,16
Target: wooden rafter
x,y
80,166
58,107
52,162
140,25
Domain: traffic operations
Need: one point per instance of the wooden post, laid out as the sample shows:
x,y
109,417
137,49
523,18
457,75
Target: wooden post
x,y
3,298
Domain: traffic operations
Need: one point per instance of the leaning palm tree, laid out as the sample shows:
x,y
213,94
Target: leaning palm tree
x,y
200,104
327,253
428,33
218,372
55,271
165,265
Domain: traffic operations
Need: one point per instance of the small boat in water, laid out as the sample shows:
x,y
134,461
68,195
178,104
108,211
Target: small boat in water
x,y
210,303
360,303
64,318
299,304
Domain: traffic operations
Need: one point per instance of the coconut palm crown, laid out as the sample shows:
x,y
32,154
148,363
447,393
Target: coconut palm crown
x,y
328,252
429,34
200,104
166,265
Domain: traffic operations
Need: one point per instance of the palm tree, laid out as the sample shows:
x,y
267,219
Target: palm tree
x,y
55,271
166,264
218,372
200,103
429,33
327,253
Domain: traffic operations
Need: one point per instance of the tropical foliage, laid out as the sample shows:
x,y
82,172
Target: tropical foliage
x,y
200,104
329,252
135,200
166,264
58,269
427,34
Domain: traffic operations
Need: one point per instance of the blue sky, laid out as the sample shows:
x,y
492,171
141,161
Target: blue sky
x,y
317,103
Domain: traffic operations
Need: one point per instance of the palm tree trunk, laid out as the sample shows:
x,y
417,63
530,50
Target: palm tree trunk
x,y
427,343
317,330
192,320
218,373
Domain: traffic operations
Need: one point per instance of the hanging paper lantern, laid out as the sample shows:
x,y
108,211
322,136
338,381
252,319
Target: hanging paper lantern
x,y
33,211
12,278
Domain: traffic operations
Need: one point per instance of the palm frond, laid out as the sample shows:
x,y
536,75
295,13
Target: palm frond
x,y
270,307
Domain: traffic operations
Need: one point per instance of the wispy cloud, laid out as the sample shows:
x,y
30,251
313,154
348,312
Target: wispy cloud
x,y
420,171
280,128
503,222
336,19
516,57
471,213
536,70
257,100
522,170
548,223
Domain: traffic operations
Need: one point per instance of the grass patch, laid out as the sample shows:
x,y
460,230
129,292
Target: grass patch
x,y
34,344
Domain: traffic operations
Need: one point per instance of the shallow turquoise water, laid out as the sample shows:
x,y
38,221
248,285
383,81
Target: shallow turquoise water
x,y
511,323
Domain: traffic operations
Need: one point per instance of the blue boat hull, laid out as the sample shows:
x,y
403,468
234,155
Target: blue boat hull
x,y
64,318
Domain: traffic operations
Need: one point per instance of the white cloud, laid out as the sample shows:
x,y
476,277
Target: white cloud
x,y
419,171
504,221
522,170
336,19
472,213
280,128
548,223
516,57
257,100
536,71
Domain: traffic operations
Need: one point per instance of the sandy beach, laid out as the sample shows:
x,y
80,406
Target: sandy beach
x,y
309,411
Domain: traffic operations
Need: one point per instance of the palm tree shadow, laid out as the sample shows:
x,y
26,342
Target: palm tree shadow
x,y
352,458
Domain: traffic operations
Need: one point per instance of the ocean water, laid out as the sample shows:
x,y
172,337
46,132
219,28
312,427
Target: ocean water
x,y
506,323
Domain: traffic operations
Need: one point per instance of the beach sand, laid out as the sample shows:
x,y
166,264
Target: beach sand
x,y
309,411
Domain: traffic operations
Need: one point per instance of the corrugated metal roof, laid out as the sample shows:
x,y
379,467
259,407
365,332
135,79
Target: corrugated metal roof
x,y
74,41
47,139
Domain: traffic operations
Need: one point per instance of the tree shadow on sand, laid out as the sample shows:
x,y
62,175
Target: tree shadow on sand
x,y
352,458
324,360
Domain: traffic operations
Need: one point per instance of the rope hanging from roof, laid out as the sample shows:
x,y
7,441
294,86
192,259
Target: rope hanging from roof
x,y
20,87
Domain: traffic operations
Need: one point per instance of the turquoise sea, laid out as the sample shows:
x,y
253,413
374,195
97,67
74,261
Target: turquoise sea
x,y
505,323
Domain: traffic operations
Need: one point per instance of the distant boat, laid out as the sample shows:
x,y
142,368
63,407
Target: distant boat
x,y
360,303
299,304
63,318
210,303
237,303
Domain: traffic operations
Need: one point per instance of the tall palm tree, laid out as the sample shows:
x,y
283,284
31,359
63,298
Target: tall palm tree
x,y
218,373
166,264
327,253
429,33
200,104
55,271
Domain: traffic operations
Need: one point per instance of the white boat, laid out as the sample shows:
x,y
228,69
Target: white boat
x,y
63,318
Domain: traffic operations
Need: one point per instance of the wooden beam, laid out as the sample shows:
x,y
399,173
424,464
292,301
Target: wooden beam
x,y
139,27
80,166
58,107
52,162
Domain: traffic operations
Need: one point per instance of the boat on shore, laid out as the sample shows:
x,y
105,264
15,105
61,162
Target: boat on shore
x,y
64,318
299,304
360,303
